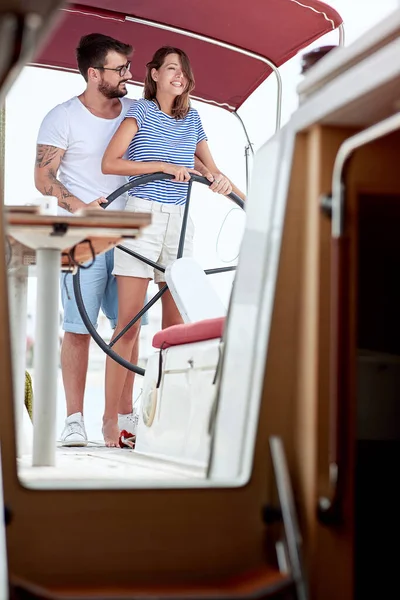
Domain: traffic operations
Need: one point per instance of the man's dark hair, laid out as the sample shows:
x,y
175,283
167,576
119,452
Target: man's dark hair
x,y
93,49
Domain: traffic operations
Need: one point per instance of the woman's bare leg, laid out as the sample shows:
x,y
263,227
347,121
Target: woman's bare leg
x,y
131,295
126,401
170,313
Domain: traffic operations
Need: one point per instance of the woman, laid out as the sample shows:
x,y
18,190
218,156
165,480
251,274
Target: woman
x,y
162,133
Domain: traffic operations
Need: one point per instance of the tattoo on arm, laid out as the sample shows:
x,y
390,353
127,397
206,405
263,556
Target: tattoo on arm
x,y
66,206
60,191
49,159
48,191
45,155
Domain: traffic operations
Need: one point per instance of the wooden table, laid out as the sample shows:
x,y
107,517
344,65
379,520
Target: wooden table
x,y
49,242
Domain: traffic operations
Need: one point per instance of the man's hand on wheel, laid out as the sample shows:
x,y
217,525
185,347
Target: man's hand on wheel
x,y
97,203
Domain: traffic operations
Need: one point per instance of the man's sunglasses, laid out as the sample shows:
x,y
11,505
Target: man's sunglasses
x,y
121,70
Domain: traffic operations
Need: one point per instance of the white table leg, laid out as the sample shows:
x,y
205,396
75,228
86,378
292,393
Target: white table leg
x,y
17,297
46,357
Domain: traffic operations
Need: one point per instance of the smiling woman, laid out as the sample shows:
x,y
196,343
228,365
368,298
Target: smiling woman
x,y
170,68
161,133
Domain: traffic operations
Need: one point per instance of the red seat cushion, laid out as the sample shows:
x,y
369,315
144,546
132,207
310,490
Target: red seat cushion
x,y
188,333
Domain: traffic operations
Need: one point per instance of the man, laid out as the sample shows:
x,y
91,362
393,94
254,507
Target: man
x,y
70,147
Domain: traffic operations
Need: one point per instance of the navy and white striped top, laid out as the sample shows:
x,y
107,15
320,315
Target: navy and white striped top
x,y
163,138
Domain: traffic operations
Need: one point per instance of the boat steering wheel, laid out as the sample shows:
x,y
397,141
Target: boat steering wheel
x,y
142,180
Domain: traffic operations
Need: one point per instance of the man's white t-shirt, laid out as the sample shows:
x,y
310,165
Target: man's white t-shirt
x,y
84,137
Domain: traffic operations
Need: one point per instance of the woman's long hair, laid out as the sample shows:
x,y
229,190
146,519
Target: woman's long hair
x,y
181,105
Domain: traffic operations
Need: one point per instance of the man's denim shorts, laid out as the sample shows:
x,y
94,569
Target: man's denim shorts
x,y
99,291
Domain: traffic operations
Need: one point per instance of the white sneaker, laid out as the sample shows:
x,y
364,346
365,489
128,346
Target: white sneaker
x,y
74,433
128,423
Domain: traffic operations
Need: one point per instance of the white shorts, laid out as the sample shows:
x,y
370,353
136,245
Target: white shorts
x,y
158,242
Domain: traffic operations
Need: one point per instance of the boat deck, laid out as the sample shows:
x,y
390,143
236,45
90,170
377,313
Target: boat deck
x,y
100,467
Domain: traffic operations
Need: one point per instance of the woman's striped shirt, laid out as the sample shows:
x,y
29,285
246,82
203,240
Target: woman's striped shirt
x,y
163,138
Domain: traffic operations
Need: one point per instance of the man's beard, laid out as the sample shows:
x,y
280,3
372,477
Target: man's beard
x,y
111,92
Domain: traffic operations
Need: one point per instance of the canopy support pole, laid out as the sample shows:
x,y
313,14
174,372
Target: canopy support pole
x,y
205,38
341,35
247,149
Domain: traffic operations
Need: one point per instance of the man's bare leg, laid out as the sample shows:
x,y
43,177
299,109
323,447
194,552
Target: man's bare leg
x,y
74,365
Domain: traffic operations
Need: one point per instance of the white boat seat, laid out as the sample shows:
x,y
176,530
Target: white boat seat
x,y
192,291
179,392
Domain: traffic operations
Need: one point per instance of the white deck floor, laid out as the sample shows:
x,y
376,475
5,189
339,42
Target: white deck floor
x,y
98,466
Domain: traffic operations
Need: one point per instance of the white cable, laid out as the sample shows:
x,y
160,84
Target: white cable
x,y
219,235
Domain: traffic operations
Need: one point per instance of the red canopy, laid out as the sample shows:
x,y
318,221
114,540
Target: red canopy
x,y
274,29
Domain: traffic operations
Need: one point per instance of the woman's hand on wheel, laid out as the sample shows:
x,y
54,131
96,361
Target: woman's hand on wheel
x,y
220,183
179,172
